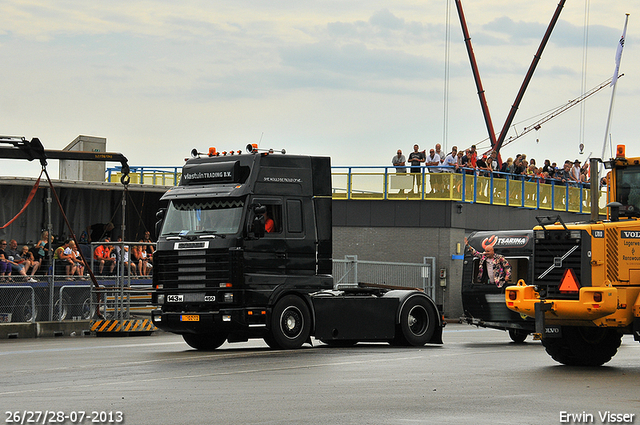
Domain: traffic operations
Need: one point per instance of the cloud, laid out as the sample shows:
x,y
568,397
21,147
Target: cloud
x,y
565,34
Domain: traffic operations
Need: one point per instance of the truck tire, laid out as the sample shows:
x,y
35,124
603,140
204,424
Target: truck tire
x,y
24,310
583,346
61,312
518,335
84,310
290,324
205,342
418,322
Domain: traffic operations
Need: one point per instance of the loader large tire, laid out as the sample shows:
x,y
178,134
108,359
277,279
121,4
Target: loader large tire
x,y
583,346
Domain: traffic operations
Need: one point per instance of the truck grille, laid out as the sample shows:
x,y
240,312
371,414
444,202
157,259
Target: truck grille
x,y
192,269
549,265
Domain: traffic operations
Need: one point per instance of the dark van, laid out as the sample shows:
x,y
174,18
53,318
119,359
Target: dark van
x,y
483,303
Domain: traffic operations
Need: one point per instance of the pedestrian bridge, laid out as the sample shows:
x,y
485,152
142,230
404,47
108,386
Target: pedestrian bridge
x,y
384,183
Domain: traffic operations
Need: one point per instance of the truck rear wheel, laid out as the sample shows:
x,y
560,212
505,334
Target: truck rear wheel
x,y
583,346
24,310
418,322
61,308
205,342
290,323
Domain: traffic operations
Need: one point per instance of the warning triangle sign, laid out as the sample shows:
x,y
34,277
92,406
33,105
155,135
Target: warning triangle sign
x,y
569,282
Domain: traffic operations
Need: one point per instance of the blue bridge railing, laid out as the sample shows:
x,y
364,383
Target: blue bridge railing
x,y
431,183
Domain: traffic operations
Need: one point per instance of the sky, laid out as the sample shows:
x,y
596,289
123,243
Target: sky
x,y
354,80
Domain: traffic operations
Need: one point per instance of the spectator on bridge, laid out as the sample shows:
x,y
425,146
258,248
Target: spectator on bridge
x,y
507,167
575,170
432,161
399,161
483,167
451,161
466,162
416,158
493,161
473,156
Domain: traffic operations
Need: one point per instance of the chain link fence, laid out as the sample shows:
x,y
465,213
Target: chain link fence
x,y
351,271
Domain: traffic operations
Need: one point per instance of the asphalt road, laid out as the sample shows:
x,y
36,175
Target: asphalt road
x,y
477,377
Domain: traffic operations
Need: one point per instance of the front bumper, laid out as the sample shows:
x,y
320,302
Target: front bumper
x,y
523,298
225,321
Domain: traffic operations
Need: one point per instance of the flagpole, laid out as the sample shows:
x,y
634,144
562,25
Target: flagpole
x,y
614,82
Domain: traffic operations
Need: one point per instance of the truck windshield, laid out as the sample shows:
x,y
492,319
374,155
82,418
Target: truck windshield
x,y
628,190
202,216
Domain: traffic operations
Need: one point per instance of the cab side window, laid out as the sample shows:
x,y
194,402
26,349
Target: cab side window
x,y
294,216
274,212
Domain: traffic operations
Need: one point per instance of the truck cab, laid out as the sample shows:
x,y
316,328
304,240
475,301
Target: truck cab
x,y
219,273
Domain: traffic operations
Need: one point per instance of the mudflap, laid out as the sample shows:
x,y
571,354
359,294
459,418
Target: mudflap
x,y
636,329
542,329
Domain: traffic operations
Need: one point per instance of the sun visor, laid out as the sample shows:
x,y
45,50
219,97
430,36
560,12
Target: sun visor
x,y
212,172
202,191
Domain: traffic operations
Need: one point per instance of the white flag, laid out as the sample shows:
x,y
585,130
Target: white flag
x,y
619,54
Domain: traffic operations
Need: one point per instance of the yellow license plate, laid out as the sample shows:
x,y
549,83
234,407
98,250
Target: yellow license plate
x,y
189,318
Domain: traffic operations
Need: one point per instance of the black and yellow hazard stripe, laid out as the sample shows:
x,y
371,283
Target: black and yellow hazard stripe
x,y
123,326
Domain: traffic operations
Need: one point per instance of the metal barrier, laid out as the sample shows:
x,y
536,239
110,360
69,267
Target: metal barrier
x,y
351,271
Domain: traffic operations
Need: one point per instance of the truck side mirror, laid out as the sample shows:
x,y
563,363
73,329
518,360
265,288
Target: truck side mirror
x,y
160,217
258,221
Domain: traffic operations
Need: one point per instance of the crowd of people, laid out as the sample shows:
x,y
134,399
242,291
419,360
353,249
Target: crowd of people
x,y
470,161
21,265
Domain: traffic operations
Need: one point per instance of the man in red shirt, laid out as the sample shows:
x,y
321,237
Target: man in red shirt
x,y
102,254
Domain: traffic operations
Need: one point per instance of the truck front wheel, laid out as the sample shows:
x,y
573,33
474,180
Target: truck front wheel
x,y
290,323
583,346
418,322
518,335
205,342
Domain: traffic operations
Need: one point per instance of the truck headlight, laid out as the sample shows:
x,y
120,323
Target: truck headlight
x,y
575,234
161,299
539,234
228,297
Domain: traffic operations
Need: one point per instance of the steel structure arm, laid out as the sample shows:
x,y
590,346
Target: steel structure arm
x,y
30,150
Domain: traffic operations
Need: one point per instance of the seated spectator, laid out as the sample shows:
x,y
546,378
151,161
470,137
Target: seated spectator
x,y
64,260
31,263
102,255
10,262
5,267
77,258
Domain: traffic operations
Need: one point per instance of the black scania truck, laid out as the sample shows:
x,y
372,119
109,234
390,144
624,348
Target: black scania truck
x,y
221,274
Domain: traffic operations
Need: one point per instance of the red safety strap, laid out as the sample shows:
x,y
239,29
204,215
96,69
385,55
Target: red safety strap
x,y
29,199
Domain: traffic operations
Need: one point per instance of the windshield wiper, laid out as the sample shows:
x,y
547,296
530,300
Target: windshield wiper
x,y
211,234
